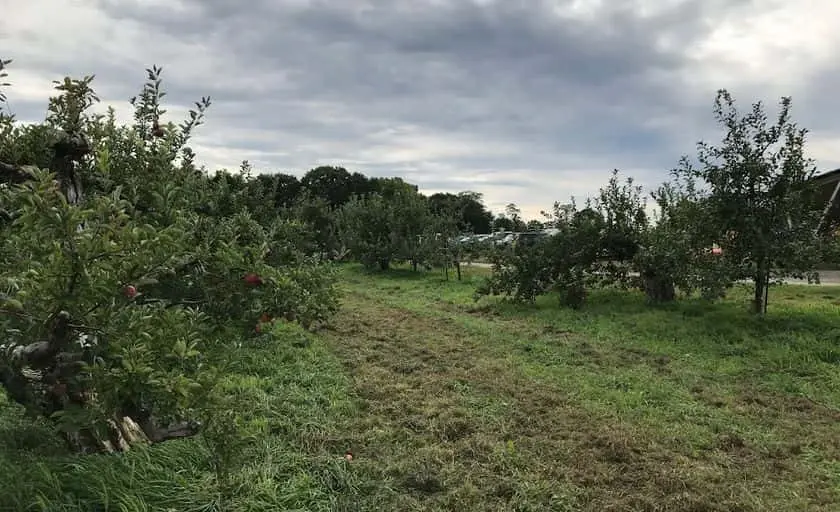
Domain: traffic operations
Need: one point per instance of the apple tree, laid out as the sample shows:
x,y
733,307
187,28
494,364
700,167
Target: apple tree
x,y
120,288
675,252
763,206
386,226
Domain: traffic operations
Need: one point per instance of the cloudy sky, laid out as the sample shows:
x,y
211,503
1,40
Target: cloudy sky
x,y
526,101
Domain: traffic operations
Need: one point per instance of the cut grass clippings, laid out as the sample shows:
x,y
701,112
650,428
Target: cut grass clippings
x,y
450,404
620,406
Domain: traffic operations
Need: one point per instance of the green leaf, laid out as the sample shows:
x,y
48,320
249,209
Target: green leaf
x,y
11,304
180,348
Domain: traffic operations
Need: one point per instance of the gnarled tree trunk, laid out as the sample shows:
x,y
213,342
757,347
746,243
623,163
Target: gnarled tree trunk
x,y
658,288
37,375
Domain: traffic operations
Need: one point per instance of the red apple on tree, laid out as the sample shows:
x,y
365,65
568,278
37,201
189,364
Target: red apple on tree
x,y
252,279
130,291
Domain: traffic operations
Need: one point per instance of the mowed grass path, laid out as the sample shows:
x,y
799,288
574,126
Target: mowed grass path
x,y
618,407
447,404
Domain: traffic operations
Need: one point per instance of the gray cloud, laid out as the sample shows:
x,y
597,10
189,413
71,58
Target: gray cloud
x,y
503,97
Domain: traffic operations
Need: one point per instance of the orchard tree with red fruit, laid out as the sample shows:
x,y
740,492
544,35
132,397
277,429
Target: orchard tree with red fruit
x,y
121,285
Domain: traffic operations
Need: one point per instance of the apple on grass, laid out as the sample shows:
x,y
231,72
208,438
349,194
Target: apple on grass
x,y
130,291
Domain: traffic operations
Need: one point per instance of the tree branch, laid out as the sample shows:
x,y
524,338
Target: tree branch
x,y
12,173
41,354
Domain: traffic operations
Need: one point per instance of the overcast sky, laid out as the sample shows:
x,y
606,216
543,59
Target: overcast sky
x,y
526,101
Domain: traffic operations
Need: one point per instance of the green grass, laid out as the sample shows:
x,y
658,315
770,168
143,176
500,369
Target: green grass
x,y
620,406
294,391
449,404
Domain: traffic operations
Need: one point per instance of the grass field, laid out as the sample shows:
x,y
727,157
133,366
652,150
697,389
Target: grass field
x,y
448,404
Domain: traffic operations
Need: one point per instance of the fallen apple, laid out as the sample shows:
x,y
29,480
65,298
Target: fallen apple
x,y
130,291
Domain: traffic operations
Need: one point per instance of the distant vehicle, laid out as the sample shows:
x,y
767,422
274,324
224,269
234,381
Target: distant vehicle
x,y
500,238
530,237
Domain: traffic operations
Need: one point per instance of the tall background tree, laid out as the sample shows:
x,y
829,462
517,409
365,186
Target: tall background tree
x,y
467,207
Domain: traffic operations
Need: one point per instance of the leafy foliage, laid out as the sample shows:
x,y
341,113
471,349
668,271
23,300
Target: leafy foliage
x,y
383,227
749,211
675,252
762,202
116,297
561,263
465,208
